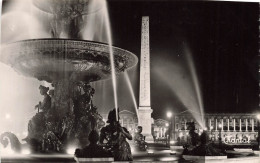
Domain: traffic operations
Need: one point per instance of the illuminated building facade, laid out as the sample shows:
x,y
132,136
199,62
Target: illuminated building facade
x,y
160,128
234,128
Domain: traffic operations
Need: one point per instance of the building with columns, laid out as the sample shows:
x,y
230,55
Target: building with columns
x,y
160,128
234,128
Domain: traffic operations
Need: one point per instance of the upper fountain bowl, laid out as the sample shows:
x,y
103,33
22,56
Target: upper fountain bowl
x,y
55,59
69,7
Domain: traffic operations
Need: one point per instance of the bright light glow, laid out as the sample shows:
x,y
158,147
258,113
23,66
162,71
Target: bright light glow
x,y
173,153
7,116
169,114
172,141
258,116
211,127
150,151
205,128
25,133
167,124
187,133
71,150
132,149
220,125
168,159
181,134
6,151
26,151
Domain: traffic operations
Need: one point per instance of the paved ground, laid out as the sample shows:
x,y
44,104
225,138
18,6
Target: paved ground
x,y
156,152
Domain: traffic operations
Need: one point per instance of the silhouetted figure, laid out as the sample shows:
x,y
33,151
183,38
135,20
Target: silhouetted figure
x,y
115,137
45,105
93,150
85,118
37,125
194,137
139,139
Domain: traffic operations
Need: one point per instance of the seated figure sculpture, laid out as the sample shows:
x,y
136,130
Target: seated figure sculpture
x,y
38,121
85,115
93,150
114,136
37,125
139,139
45,105
200,145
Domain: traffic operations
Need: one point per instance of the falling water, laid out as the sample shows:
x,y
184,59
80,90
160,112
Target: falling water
x,y
132,93
1,1
108,32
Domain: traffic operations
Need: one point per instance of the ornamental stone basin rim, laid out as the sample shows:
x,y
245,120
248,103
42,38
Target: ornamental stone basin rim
x,y
192,157
55,59
68,7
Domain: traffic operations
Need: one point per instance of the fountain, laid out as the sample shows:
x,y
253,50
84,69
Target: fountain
x,y
69,65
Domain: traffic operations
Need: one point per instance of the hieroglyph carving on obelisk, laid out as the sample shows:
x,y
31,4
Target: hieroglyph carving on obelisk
x,y
144,97
144,111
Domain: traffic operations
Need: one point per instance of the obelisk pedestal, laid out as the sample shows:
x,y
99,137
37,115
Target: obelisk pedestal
x,y
144,111
145,121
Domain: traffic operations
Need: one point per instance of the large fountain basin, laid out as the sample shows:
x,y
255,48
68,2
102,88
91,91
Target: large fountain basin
x,y
204,158
68,7
54,59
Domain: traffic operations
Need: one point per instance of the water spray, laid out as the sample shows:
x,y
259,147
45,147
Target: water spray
x,y
132,93
108,32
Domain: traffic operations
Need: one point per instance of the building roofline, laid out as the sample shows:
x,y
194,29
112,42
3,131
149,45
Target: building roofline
x,y
226,114
126,111
160,120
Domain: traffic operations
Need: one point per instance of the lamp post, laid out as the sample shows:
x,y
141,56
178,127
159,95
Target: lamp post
x,y
167,128
211,133
258,129
219,138
169,115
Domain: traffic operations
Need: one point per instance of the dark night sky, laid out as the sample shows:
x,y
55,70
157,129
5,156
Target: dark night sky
x,y
223,39
221,36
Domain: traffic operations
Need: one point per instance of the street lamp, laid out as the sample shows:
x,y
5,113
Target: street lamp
x,y
211,133
220,128
169,115
258,129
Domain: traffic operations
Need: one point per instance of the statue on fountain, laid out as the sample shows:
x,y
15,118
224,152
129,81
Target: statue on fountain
x,y
38,122
50,131
200,145
139,139
113,137
45,105
86,116
93,150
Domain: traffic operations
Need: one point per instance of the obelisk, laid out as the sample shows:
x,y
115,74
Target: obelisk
x,y
144,110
